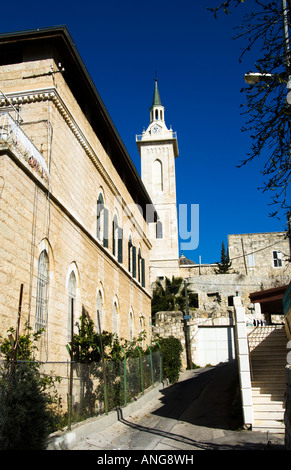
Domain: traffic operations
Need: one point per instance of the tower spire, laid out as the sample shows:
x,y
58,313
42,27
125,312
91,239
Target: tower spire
x,y
156,97
156,109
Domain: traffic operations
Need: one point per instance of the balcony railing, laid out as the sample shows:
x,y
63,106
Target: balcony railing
x,y
11,132
160,136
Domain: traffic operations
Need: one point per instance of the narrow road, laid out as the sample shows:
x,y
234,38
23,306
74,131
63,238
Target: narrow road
x,y
200,412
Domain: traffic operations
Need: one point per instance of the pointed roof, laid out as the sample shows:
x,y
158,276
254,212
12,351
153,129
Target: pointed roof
x,y
156,97
185,261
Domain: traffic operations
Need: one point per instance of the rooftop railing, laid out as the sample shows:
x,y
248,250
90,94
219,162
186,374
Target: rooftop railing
x,y
161,136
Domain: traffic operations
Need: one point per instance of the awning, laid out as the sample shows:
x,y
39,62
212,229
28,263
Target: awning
x,y
271,300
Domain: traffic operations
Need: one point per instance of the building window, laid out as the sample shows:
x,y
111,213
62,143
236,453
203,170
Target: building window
x,y
277,259
102,221
230,300
140,268
72,289
115,320
158,175
141,328
130,246
130,326
99,312
117,240
159,229
251,260
42,291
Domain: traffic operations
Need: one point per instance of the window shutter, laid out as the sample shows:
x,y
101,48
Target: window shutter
x,y
120,235
134,261
139,266
105,228
143,272
130,256
100,208
113,238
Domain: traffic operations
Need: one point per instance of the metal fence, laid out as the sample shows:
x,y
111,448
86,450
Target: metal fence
x,y
80,391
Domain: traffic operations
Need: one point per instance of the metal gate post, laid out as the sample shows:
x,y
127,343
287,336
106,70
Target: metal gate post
x,y
124,378
152,370
141,370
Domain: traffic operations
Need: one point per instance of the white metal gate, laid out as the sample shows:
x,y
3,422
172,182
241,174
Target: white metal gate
x,y
215,344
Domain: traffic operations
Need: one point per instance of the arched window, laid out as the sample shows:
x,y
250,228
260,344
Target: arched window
x,y
158,175
102,221
131,257
115,319
139,265
130,246
117,239
140,268
42,291
141,327
72,291
99,311
159,229
130,326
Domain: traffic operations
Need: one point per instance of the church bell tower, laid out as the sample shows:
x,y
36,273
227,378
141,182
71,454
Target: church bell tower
x,y
158,148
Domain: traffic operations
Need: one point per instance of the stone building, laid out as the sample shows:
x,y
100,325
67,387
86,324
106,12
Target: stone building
x,y
71,231
260,262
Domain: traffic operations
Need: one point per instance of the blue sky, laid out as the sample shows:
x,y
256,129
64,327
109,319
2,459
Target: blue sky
x,y
123,45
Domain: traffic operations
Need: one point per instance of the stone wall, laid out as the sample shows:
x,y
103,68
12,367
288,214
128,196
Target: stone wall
x,y
172,324
216,293
256,254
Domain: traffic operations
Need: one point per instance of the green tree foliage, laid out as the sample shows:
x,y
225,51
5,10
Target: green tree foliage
x,y
88,342
170,296
267,111
26,402
165,295
225,263
87,352
171,349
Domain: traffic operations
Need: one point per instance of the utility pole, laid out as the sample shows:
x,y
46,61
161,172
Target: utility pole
x,y
186,317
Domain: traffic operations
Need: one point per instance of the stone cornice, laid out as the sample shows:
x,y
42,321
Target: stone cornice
x,y
51,94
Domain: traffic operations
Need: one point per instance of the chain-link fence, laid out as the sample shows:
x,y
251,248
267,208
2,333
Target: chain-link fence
x,y
74,391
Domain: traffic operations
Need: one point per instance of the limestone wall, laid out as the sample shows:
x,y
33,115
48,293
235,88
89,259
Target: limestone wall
x,y
260,253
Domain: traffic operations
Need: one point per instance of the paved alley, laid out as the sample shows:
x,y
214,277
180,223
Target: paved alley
x,y
200,412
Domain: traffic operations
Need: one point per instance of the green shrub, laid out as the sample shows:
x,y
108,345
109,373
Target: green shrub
x,y
171,350
25,420
27,416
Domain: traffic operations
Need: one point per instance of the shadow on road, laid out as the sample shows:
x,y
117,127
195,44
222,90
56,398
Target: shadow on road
x,y
199,445
210,398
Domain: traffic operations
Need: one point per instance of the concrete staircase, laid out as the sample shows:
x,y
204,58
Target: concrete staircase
x,y
267,346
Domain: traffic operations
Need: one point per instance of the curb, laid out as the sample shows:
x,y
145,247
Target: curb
x,y
65,440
